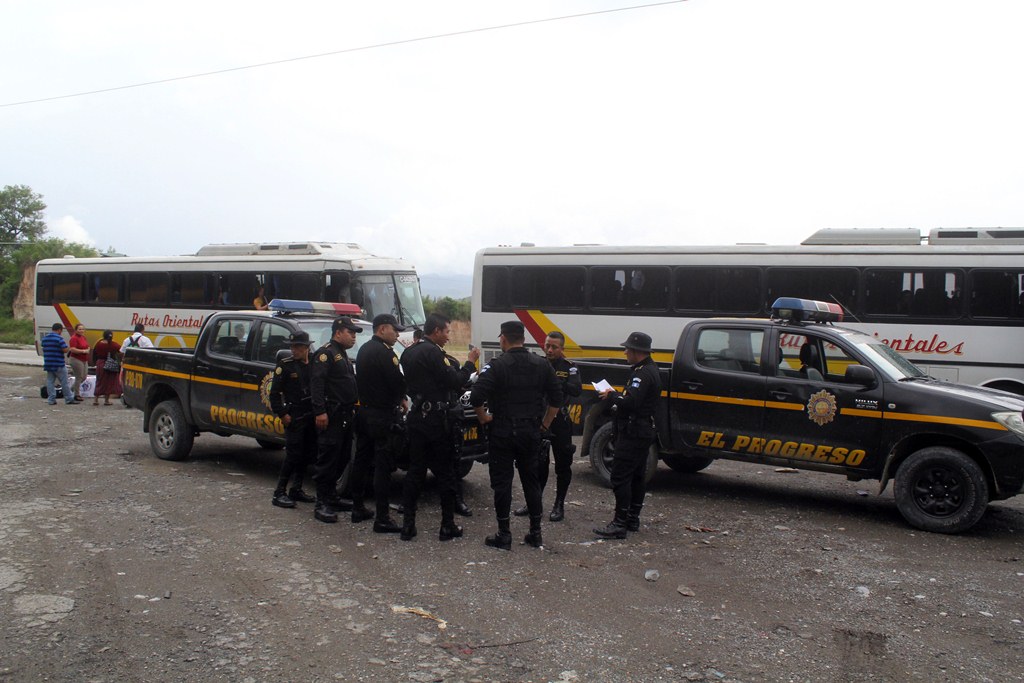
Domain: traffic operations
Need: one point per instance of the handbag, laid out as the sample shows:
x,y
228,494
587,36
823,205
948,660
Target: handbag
x,y
112,364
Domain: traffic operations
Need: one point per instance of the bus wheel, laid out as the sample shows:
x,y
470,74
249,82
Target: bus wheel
x,y
942,490
170,436
269,445
687,464
602,452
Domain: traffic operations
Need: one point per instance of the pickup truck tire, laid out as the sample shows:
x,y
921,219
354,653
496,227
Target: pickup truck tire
x,y
602,452
462,467
941,490
269,445
687,464
170,435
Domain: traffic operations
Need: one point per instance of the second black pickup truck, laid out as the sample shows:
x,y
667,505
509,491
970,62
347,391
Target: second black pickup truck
x,y
222,386
792,391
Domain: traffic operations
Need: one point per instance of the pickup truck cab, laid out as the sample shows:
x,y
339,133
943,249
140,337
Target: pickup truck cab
x,y
799,392
222,386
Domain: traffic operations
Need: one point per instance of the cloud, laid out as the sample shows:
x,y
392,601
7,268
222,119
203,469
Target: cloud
x,y
69,229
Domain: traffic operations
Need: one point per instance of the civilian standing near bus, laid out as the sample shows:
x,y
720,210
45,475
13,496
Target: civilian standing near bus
x,y
334,396
55,351
291,401
633,414
560,434
430,380
78,357
138,338
382,404
523,396
108,374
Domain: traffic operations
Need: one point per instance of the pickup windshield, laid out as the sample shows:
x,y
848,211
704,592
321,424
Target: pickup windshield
x,y
892,364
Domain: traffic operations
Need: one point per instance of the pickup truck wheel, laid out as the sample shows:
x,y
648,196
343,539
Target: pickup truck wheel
x,y
462,467
687,464
170,435
269,445
602,452
941,490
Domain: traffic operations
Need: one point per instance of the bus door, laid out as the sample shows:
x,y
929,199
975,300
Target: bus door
x,y
812,414
718,394
217,382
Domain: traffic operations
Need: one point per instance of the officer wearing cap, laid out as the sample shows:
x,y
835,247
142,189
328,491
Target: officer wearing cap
x,y
523,396
334,395
382,403
633,414
290,400
430,380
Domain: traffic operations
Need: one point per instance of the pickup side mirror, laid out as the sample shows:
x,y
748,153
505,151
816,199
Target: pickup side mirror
x,y
860,374
283,353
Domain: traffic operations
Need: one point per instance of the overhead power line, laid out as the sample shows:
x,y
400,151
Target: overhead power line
x,y
376,46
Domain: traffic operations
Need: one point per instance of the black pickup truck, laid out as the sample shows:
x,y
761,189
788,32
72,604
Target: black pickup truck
x,y
799,392
222,386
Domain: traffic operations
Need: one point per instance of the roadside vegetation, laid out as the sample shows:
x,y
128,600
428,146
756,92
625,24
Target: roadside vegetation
x,y
15,331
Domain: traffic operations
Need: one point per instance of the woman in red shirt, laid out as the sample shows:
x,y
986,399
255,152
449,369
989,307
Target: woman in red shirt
x,y
107,383
79,359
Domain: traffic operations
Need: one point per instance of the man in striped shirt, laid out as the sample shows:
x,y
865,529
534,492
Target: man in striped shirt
x,y
55,349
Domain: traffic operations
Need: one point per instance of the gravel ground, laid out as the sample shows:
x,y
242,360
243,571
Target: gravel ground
x,y
116,566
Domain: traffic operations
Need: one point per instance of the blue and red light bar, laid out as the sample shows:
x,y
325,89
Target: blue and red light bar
x,y
321,307
806,310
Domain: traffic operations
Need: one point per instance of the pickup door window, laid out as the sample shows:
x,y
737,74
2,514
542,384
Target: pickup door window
x,y
721,393
812,413
217,382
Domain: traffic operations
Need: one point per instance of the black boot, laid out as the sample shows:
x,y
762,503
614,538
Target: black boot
x,y
408,527
282,500
299,496
449,530
633,517
534,538
557,511
324,511
616,528
386,525
359,512
503,539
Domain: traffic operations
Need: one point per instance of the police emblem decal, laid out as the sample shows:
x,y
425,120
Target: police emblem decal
x,y
265,388
821,408
323,357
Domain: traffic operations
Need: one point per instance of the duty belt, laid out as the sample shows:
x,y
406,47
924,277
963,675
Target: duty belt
x,y
427,406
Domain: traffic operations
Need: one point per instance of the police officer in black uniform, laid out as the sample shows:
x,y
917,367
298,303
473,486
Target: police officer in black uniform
x,y
517,385
290,400
382,404
430,380
334,397
634,410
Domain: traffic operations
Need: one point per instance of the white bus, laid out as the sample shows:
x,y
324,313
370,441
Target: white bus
x,y
172,295
952,303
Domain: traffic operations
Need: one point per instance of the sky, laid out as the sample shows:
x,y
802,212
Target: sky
x,y
696,122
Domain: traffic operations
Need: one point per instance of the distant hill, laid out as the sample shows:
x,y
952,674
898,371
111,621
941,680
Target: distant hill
x,y
455,286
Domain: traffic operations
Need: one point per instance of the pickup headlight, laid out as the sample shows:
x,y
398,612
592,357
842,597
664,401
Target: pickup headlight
x,y
1012,421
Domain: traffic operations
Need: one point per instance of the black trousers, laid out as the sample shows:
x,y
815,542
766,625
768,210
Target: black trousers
x,y
375,449
513,449
561,446
334,449
300,443
430,446
629,469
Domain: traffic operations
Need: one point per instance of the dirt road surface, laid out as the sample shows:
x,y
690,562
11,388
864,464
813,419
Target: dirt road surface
x,y
116,566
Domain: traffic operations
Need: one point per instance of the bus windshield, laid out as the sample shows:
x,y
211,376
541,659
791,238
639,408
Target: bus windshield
x,y
397,294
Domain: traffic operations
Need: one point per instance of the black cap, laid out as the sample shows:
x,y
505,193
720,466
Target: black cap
x,y
299,338
638,341
345,323
513,328
387,319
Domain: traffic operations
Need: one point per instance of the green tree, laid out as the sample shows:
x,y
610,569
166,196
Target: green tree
x,y
455,309
21,217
